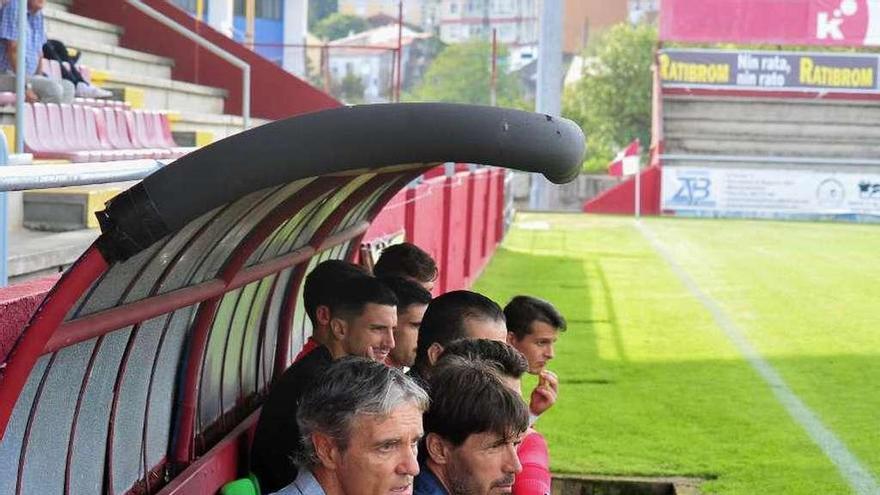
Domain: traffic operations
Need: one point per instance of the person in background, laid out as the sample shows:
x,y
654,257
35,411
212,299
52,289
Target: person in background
x,y
456,315
321,290
408,261
361,324
473,428
38,86
533,326
412,301
360,427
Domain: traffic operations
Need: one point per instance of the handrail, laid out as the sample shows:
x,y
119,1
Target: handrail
x,y
26,177
211,47
20,73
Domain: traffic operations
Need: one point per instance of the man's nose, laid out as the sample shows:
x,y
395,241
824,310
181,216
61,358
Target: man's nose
x,y
512,464
409,465
388,341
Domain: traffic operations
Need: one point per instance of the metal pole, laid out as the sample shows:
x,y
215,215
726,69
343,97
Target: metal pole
x,y
638,199
399,51
4,222
493,84
250,14
20,77
207,45
549,86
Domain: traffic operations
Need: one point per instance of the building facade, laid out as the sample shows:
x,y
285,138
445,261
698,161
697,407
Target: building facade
x,y
515,21
279,26
415,12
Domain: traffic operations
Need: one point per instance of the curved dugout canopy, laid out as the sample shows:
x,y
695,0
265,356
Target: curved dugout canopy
x,y
165,334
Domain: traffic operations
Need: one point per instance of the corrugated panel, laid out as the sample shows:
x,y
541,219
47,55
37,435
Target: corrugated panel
x,y
11,443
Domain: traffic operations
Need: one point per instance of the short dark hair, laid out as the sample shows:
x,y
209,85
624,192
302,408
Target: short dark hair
x,y
349,387
469,397
521,311
501,356
322,284
406,260
445,318
356,293
407,292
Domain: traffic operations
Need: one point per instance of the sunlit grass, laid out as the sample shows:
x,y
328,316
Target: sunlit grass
x,y
650,385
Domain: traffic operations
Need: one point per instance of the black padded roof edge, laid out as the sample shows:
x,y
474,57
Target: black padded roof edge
x,y
334,141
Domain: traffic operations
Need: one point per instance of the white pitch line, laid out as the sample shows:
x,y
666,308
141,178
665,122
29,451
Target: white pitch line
x,y
861,480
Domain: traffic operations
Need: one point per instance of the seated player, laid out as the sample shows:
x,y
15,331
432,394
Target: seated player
x,y
320,290
360,429
510,365
362,322
472,430
408,261
412,301
456,315
533,326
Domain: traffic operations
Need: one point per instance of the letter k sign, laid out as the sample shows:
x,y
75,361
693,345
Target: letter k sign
x,y
827,26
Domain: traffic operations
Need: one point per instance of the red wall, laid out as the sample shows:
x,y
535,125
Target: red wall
x,y
458,220
621,198
275,93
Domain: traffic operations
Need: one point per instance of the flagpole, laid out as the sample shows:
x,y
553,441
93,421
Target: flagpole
x,y
638,192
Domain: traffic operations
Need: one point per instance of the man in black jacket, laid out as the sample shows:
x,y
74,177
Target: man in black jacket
x,y
362,324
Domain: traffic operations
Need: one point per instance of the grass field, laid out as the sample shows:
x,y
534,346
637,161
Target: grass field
x,y
651,385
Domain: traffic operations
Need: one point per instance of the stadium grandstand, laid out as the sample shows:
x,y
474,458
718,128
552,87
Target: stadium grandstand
x,y
217,181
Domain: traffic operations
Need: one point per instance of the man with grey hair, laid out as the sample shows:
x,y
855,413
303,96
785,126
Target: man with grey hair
x,y
360,425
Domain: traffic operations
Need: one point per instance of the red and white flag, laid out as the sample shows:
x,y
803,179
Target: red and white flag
x,y
626,162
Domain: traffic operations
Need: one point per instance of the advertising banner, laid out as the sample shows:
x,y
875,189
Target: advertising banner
x,y
776,22
779,71
710,191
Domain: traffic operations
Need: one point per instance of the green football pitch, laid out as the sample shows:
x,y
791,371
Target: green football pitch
x,y
675,326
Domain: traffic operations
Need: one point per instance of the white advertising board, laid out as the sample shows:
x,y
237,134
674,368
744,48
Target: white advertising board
x,y
711,191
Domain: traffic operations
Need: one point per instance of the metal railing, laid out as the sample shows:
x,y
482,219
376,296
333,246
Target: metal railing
x,y
211,47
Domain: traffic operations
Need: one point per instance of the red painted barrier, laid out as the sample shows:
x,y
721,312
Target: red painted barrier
x,y
275,93
17,304
620,199
458,220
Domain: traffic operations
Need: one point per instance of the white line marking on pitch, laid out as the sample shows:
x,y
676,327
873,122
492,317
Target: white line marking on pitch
x,y
848,464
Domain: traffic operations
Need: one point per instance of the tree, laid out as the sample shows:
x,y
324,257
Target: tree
x,y
338,25
461,73
350,89
612,101
319,9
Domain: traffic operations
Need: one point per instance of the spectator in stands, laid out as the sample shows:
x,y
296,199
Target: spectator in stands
x,y
472,430
360,429
362,324
456,315
412,301
510,364
39,87
320,291
533,326
408,261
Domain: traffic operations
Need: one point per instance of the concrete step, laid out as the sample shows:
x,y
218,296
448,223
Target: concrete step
x,y
35,254
772,110
770,147
67,208
115,58
781,131
218,126
159,93
63,25
64,5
